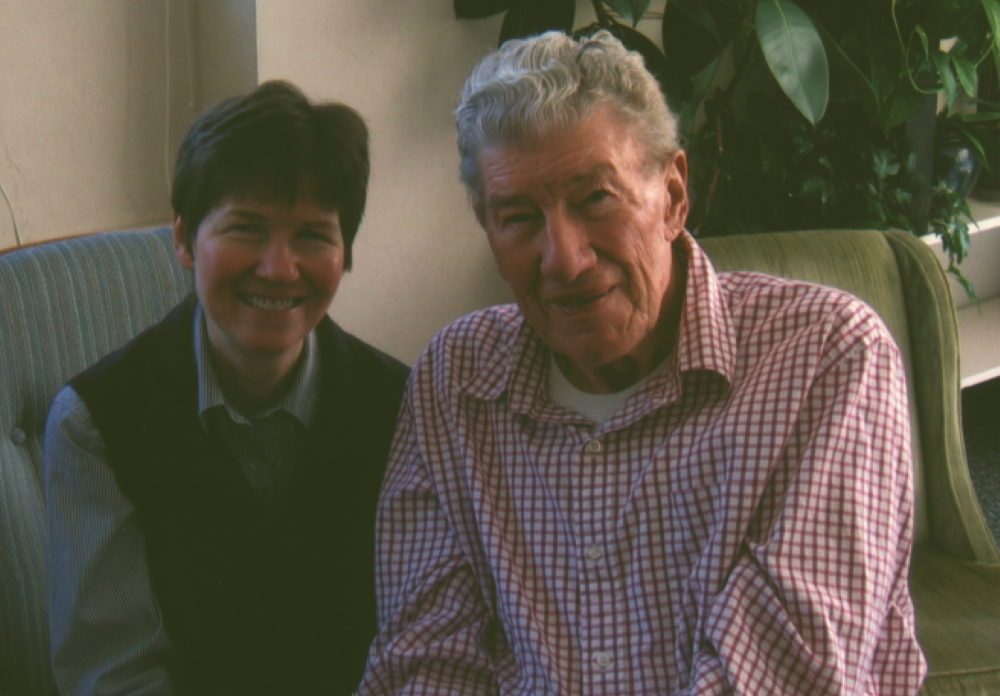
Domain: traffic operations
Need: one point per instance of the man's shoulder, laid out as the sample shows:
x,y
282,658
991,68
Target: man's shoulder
x,y
473,342
761,300
481,331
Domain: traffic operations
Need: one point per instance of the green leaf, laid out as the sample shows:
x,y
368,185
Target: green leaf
x,y
702,79
478,9
964,282
743,40
846,69
923,40
942,19
632,10
948,82
794,51
688,42
622,7
696,12
965,69
529,17
886,65
901,106
992,8
981,117
977,147
884,163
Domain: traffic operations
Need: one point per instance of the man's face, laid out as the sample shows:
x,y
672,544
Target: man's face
x,y
581,225
265,275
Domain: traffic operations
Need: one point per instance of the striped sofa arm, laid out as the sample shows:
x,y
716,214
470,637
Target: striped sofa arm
x,y
63,305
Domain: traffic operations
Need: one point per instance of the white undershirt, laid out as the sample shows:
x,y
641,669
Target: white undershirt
x,y
597,407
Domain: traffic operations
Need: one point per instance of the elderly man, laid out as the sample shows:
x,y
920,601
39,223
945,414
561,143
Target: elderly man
x,y
645,477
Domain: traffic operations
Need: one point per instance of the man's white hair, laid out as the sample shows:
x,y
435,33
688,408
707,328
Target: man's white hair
x,y
531,86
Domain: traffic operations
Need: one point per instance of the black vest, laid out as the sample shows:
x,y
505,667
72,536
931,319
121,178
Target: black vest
x,y
252,606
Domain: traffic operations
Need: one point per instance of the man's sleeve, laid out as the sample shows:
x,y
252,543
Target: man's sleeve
x,y
106,631
818,602
436,635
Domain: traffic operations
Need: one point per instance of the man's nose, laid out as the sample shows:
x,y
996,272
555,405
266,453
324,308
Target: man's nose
x,y
567,251
278,263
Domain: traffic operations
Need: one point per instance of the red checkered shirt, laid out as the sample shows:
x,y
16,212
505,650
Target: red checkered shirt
x,y
742,525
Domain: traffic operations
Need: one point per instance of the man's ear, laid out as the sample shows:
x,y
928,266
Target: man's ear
x,y
184,254
676,180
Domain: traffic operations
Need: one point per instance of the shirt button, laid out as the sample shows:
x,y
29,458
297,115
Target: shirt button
x,y
18,436
594,552
594,446
603,660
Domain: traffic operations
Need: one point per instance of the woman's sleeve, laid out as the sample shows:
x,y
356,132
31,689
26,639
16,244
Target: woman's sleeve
x,y
106,630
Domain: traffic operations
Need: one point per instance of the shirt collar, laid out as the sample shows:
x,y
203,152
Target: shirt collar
x,y
517,364
299,401
707,339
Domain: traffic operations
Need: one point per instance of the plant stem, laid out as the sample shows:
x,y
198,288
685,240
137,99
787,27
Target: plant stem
x,y
746,61
714,114
603,18
713,111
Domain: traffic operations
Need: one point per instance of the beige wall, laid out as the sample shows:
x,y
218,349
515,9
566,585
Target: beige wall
x,y
84,124
420,258
226,48
85,142
93,105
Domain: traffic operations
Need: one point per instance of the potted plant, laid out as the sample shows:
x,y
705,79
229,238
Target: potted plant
x,y
799,114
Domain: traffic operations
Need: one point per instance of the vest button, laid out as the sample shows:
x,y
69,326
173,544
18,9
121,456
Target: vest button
x,y
18,436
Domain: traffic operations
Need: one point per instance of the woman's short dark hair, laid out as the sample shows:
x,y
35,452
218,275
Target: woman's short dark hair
x,y
274,145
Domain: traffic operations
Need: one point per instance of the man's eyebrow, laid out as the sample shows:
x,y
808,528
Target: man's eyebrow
x,y
504,200
601,170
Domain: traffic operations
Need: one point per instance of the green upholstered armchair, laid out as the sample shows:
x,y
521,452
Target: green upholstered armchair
x,y
63,305
955,573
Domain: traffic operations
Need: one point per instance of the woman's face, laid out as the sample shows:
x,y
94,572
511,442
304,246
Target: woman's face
x,y
265,275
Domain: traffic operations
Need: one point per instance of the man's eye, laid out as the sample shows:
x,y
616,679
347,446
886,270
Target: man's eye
x,y
596,197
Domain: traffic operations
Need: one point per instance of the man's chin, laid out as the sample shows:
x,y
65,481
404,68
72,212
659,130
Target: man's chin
x,y
579,356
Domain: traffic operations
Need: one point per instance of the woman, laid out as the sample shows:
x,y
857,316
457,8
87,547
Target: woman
x,y
212,485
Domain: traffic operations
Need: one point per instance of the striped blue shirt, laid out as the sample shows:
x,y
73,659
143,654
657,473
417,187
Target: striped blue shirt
x,y
106,630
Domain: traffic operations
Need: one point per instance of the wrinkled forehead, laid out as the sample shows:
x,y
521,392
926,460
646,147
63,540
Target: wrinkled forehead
x,y
597,141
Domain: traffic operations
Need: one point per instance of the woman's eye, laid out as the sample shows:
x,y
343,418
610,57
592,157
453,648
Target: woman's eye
x,y
315,236
245,228
596,197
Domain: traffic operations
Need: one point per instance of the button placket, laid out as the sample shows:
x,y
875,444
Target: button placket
x,y
599,604
604,659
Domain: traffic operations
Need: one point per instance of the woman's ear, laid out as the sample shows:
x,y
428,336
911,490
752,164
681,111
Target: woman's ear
x,y
182,250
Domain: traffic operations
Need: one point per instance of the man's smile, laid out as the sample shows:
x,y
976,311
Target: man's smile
x,y
580,300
